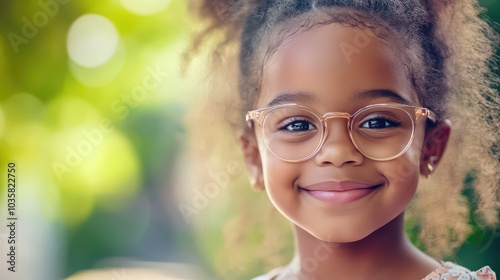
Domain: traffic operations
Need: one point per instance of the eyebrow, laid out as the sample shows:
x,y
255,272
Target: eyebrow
x,y
381,93
304,97
292,97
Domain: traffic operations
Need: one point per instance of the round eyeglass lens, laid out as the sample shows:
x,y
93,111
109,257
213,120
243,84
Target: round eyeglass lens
x,y
382,132
292,133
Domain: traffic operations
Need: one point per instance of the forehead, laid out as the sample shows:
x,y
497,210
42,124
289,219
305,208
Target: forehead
x,y
333,62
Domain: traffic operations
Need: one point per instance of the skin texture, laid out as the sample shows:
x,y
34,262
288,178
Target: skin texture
x,y
347,239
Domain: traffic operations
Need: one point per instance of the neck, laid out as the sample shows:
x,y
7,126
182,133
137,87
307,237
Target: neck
x,y
385,254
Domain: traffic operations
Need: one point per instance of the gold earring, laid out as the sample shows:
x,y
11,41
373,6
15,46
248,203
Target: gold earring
x,y
253,182
256,185
430,168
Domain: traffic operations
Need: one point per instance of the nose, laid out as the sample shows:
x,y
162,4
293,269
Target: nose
x,y
337,148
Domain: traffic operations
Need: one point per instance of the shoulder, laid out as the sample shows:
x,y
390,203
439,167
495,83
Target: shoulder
x,y
452,271
270,275
128,273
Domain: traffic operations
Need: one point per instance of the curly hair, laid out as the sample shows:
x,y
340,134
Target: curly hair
x,y
449,52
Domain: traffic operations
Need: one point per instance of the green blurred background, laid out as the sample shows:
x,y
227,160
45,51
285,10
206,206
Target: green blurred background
x,y
93,110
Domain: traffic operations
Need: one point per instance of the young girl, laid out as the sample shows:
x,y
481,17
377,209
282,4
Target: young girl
x,y
348,105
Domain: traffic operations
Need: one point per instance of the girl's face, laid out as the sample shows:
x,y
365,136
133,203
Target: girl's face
x,y
338,195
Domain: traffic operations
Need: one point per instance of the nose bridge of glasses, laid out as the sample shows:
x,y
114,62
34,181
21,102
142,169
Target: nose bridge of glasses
x,y
335,115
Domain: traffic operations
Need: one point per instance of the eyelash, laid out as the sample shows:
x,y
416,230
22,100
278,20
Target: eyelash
x,y
289,121
393,122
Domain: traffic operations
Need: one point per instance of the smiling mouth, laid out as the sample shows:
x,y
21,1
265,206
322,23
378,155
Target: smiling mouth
x,y
340,196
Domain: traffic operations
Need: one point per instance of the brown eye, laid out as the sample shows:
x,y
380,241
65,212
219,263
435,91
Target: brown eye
x,y
296,126
380,123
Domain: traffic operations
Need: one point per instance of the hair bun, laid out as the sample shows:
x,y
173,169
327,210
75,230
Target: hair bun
x,y
227,15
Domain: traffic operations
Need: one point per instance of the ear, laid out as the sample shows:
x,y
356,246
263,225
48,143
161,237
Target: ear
x,y
436,140
253,160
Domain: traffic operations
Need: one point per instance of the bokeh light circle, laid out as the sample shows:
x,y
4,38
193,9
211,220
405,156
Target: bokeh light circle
x,y
144,7
103,74
92,40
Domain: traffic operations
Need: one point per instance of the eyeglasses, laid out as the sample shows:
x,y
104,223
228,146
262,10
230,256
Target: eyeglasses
x,y
381,132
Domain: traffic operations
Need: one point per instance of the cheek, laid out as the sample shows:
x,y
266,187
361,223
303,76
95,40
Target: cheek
x,y
405,170
279,179
402,175
276,173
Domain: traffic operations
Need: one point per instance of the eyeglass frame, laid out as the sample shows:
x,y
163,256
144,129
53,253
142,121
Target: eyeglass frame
x,y
259,115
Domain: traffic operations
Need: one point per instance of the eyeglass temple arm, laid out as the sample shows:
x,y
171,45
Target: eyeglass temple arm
x,y
424,112
252,115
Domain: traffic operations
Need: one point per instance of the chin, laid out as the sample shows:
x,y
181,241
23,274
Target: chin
x,y
333,236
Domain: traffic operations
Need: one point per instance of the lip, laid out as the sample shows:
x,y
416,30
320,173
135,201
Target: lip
x,y
340,192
